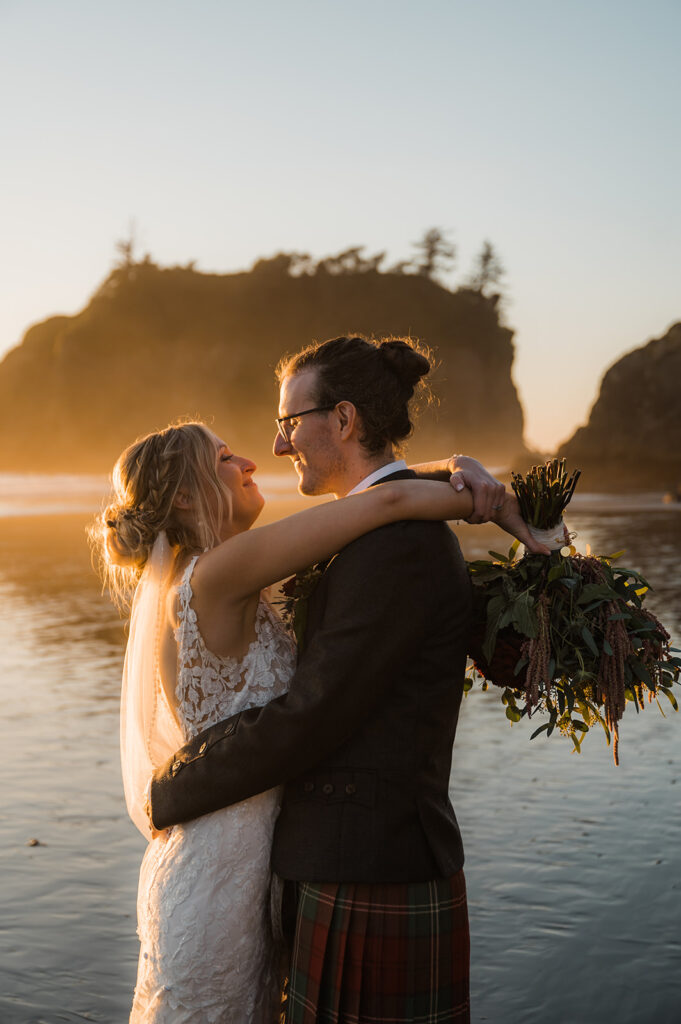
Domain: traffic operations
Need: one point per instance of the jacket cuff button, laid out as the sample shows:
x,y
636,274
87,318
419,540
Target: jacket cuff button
x,y
175,767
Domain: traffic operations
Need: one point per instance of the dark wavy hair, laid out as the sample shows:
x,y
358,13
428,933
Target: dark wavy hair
x,y
383,380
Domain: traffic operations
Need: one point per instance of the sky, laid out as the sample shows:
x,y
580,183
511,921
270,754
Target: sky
x,y
225,132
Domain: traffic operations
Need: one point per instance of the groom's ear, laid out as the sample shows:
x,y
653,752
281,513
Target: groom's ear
x,y
348,419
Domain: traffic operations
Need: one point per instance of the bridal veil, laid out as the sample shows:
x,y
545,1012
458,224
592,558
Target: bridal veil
x,y
150,732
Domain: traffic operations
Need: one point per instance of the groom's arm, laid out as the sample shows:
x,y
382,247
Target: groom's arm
x,y
375,619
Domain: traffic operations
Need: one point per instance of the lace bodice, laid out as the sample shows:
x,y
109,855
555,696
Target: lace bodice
x,y
209,687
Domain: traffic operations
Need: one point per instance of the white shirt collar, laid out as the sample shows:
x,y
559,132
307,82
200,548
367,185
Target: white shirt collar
x,y
378,474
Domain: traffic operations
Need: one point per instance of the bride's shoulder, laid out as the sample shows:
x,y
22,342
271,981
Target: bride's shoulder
x,y
219,608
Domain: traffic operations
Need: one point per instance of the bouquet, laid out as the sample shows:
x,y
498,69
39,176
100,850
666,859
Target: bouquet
x,y
566,634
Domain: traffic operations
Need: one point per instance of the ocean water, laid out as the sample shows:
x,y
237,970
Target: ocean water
x,y
572,864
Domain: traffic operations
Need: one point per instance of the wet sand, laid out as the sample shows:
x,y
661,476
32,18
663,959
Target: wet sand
x,y
572,865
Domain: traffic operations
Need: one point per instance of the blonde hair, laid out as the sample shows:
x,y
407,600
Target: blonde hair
x,y
146,481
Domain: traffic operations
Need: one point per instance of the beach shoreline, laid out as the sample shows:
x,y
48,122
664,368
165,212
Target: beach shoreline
x,y
571,863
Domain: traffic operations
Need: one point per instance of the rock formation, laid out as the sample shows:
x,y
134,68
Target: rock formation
x,y
633,437
155,344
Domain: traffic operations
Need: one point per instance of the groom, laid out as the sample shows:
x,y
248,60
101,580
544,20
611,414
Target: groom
x,y
367,839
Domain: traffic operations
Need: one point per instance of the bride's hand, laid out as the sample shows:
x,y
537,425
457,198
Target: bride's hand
x,y
486,489
508,518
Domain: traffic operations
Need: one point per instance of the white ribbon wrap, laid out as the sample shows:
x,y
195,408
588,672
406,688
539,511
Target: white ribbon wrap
x,y
553,538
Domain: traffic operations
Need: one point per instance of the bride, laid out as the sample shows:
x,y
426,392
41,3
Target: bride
x,y
204,644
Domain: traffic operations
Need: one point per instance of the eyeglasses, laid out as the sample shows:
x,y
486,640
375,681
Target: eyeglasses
x,y
286,426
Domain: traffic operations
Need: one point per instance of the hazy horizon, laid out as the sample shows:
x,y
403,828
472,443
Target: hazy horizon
x,y
230,133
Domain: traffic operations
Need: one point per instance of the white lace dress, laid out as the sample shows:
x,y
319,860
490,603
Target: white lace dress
x,y
208,953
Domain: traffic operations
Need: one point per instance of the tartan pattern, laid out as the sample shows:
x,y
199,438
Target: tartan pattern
x,y
380,954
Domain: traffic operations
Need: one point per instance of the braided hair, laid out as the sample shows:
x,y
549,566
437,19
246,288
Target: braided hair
x,y
147,479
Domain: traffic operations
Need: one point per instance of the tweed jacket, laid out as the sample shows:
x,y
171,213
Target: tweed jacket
x,y
363,739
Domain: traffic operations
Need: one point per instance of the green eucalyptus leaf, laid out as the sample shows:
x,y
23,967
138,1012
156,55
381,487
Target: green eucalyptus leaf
x,y
507,616
605,728
641,672
589,640
597,592
524,618
584,677
671,697
630,574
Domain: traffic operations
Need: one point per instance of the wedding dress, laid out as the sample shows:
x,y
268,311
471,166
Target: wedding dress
x,y
208,951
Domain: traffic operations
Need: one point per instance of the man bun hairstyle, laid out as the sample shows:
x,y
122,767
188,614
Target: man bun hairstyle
x,y
383,380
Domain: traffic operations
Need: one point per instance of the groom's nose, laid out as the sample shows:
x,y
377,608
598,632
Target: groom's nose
x,y
281,446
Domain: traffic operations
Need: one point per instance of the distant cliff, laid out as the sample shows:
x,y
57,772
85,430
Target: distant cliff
x,y
633,437
155,344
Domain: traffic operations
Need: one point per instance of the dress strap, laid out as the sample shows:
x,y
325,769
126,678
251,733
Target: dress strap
x,y
184,591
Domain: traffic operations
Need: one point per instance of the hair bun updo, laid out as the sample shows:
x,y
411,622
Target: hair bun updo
x,y
130,534
383,380
406,362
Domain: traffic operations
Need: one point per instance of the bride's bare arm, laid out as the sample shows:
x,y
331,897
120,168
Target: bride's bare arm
x,y
252,560
465,471
256,558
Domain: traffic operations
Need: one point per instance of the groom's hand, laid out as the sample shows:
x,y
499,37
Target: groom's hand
x,y
156,833
488,493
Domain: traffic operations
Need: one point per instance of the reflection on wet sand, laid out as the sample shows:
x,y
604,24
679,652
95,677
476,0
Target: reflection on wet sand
x,y
571,864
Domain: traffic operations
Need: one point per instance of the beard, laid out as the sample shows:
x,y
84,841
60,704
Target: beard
x,y
320,472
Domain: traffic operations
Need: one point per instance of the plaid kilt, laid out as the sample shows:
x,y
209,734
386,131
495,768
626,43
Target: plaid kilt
x,y
380,954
